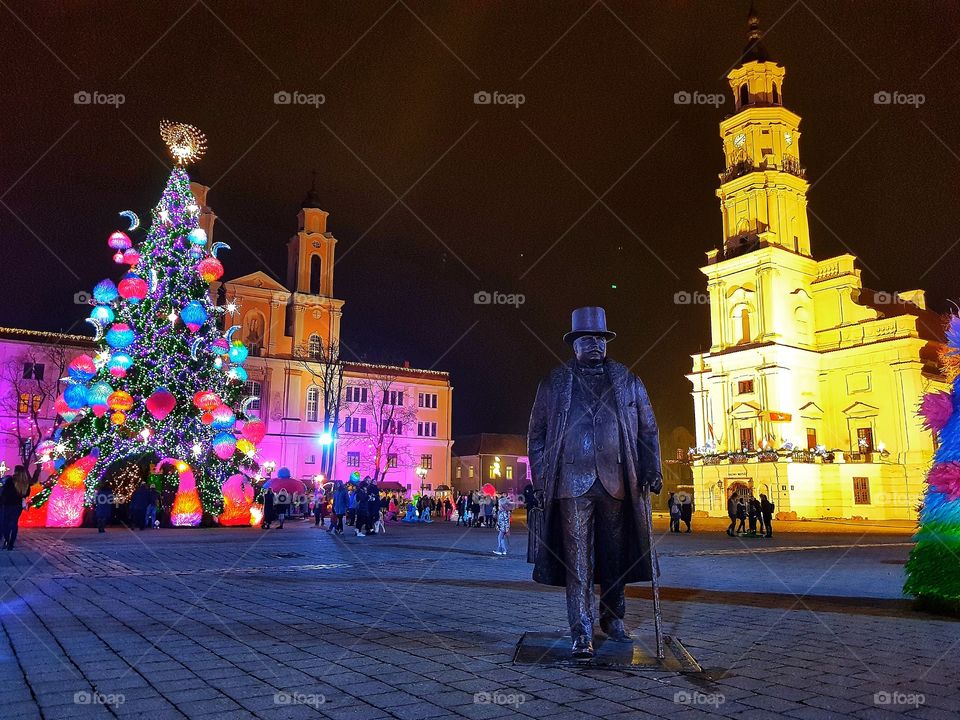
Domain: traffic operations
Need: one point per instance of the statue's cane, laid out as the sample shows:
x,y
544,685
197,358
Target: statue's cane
x,y
654,580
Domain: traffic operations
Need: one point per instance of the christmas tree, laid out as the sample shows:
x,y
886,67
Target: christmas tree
x,y
165,385
933,570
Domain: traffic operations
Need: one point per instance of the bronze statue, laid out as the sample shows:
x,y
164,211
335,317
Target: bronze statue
x,y
595,457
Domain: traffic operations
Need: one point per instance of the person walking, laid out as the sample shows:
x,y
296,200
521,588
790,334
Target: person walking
x,y
447,509
360,509
686,510
461,509
674,508
340,501
753,510
15,489
504,508
732,514
104,507
269,500
319,507
153,502
766,510
373,508
488,511
741,515
475,509
138,506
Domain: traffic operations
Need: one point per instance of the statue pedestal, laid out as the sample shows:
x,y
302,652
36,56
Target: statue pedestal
x,y
553,649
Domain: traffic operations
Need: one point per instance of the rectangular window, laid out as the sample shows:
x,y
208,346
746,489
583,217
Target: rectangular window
x,y
427,429
33,371
393,397
861,491
811,438
391,460
252,389
864,440
746,439
24,404
392,427
310,460
356,394
355,425
744,387
459,472
470,471
427,400
353,459
426,462
509,472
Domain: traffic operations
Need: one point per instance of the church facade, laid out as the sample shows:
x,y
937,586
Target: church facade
x,y
809,390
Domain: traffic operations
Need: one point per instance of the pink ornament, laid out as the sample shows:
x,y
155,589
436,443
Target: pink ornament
x,y
132,287
118,257
131,257
224,445
161,403
254,430
945,478
207,418
119,241
65,411
99,410
936,409
221,345
210,269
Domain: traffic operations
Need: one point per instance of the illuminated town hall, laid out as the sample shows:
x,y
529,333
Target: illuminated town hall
x,y
810,388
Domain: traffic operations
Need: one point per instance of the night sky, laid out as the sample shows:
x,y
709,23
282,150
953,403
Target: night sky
x,y
492,197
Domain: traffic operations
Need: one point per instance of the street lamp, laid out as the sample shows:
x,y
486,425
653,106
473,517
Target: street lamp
x,y
269,466
422,474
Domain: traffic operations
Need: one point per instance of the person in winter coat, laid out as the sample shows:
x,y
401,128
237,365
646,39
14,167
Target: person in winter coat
x,y
360,519
138,506
104,507
766,510
15,488
373,508
686,510
504,508
741,515
732,514
753,511
268,508
341,500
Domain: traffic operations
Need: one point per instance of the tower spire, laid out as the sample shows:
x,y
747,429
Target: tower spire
x,y
312,200
755,51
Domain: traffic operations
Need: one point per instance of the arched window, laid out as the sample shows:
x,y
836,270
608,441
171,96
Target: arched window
x,y
253,389
313,403
740,324
776,95
744,95
315,275
253,333
313,346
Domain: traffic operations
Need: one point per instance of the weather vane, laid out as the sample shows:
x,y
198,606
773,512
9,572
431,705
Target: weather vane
x,y
187,143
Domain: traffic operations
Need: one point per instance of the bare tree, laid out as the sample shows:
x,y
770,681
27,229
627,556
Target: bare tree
x,y
322,360
33,379
378,417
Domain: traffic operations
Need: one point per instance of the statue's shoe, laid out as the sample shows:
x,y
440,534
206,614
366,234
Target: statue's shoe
x,y
582,648
615,631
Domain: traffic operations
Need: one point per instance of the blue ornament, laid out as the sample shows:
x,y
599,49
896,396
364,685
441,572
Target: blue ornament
x,y
237,373
59,463
105,291
238,352
197,236
194,315
120,336
98,394
75,396
103,314
283,473
119,363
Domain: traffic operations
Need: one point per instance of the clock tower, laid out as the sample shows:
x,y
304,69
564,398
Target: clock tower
x,y
763,188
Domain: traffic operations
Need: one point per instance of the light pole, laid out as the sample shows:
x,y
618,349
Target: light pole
x,y
422,474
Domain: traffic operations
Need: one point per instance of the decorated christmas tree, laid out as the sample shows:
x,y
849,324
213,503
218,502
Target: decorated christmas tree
x,y
165,387
933,570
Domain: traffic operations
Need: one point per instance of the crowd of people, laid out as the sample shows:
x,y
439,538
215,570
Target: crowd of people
x,y
749,516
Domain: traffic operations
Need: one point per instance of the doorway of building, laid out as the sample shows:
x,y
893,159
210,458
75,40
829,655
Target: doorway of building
x,y
739,490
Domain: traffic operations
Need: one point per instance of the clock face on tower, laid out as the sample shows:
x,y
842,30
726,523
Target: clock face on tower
x,y
740,140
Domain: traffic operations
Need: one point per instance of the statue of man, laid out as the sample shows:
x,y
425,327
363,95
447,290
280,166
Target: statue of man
x,y
594,455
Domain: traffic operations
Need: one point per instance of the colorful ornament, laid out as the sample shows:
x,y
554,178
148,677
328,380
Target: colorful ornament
x,y
207,400
237,373
120,336
197,237
118,257
238,352
120,400
187,510
254,430
75,396
118,418
63,410
224,443
98,394
119,241
119,363
207,418
246,447
131,257
82,368
102,314
105,291
210,269
936,409
223,417
161,403
237,499
133,288
221,345
194,315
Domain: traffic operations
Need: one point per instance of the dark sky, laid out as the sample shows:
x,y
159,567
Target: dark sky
x,y
502,198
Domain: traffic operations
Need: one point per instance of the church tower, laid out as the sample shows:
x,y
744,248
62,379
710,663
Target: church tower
x,y
763,189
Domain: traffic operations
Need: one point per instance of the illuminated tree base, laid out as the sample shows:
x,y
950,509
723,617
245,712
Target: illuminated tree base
x,y
65,507
187,510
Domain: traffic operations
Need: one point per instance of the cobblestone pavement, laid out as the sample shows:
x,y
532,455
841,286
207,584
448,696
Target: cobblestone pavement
x,y
422,622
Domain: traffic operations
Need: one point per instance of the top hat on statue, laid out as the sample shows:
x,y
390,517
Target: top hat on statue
x,y
588,321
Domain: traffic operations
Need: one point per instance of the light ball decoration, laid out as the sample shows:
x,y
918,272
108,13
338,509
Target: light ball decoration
x,y
207,418
118,257
237,374
131,257
62,409
197,237
118,418
98,395
246,447
82,368
119,363
194,315
102,314
210,269
120,400
161,403
133,288
185,142
254,430
75,396
207,400
119,241
238,352
105,291
120,336
224,444
221,345
223,417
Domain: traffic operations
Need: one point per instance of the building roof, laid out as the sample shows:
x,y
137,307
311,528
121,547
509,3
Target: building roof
x,y
490,444
930,326
40,336
394,370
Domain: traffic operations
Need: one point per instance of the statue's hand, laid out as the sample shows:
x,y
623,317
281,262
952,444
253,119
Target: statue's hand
x,y
539,495
655,484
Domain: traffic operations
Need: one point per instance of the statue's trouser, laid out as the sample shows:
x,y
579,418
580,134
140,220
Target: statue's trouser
x,y
592,545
